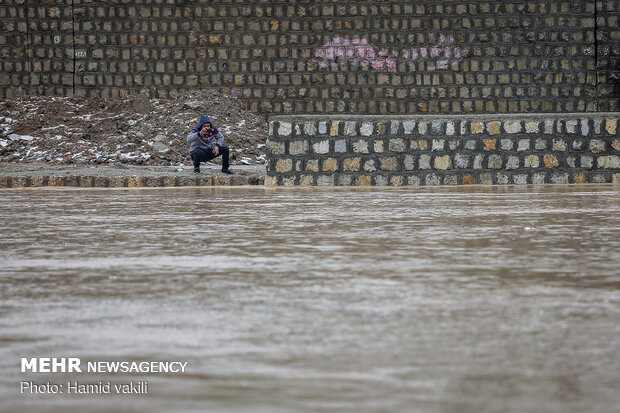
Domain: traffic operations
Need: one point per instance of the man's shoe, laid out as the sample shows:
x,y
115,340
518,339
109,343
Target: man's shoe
x,y
196,170
227,171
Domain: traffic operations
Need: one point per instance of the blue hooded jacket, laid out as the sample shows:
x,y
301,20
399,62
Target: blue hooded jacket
x,y
204,142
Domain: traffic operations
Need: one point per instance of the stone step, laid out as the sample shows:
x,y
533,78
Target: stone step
x,y
92,181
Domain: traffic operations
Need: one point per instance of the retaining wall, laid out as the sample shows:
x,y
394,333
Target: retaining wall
x,y
444,150
301,56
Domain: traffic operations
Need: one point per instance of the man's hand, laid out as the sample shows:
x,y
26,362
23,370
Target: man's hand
x,y
204,130
216,150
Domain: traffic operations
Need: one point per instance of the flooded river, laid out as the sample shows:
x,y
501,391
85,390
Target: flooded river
x,y
428,300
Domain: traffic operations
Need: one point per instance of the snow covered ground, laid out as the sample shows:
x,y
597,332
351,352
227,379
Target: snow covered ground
x,y
80,130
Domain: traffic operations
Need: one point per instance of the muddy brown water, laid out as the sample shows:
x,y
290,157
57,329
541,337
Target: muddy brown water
x,y
429,300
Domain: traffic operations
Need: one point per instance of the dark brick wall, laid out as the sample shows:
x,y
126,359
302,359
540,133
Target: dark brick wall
x,y
608,55
388,57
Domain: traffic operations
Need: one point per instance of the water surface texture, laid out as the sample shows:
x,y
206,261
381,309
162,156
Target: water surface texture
x,y
429,300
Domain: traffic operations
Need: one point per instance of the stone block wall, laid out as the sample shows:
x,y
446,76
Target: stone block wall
x,y
302,56
444,150
607,34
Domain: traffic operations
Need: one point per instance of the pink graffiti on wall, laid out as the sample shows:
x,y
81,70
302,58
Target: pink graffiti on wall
x,y
360,53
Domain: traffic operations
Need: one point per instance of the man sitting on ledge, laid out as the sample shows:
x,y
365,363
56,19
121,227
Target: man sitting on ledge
x,y
205,143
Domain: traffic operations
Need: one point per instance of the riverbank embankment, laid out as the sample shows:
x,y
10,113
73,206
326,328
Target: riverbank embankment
x,y
13,175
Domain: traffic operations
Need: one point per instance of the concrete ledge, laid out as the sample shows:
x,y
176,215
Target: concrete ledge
x,y
87,181
430,117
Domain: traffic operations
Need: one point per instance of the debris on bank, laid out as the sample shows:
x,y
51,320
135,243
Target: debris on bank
x,y
133,131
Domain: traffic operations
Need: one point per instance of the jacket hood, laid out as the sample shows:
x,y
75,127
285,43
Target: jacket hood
x,y
203,119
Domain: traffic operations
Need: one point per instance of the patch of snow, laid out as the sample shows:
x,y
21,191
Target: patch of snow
x,y
128,155
110,117
15,137
53,127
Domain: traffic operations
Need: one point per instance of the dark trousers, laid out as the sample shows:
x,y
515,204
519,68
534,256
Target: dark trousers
x,y
204,155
